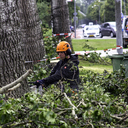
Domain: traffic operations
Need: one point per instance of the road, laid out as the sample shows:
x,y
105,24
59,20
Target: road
x,y
108,52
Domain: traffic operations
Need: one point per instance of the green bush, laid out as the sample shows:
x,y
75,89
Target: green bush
x,y
101,102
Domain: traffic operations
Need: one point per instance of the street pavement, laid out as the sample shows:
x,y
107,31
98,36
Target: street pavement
x,y
104,53
79,34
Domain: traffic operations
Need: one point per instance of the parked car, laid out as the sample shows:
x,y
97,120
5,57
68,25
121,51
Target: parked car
x,y
84,29
108,29
92,31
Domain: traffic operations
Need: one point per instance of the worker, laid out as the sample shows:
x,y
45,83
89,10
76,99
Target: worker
x,y
65,70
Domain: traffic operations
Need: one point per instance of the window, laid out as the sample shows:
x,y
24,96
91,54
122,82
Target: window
x,y
106,25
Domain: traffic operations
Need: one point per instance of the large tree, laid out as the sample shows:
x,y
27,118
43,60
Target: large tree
x,y
105,9
60,18
21,43
110,10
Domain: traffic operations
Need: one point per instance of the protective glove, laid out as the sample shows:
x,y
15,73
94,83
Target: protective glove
x,y
39,82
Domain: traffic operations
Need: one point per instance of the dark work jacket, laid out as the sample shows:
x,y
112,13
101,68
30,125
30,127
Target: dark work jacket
x,y
67,70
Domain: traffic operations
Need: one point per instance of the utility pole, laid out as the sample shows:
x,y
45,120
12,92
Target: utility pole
x,y
118,10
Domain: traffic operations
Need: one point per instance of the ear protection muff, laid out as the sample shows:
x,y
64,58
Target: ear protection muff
x,y
68,51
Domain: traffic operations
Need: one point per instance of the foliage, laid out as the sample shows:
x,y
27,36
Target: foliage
x,y
50,43
40,71
44,17
99,103
95,57
114,83
94,11
83,4
45,6
106,10
110,15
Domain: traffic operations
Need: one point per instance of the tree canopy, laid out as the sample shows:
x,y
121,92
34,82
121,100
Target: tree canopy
x,y
104,9
91,8
44,10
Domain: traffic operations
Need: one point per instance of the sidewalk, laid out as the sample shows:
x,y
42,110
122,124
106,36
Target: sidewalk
x,y
103,53
79,34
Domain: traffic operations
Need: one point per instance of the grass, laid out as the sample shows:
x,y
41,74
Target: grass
x,y
98,68
99,44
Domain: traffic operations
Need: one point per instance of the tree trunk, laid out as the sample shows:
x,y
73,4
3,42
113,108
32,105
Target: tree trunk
x,y
11,57
32,37
118,26
60,19
20,40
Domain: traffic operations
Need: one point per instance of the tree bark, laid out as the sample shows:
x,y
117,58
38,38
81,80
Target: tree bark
x,y
20,40
60,19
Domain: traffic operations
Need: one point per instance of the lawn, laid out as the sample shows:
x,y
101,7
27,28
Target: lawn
x,y
96,67
99,44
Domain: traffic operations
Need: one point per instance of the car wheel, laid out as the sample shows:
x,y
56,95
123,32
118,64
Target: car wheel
x,y
100,35
112,35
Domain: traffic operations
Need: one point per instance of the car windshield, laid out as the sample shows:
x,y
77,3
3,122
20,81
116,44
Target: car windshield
x,y
92,28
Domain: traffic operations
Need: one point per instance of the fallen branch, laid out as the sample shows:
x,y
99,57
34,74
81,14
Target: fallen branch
x,y
16,86
82,102
11,85
74,107
70,101
91,124
120,119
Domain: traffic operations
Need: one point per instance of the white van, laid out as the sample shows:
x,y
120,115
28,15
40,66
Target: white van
x,y
125,31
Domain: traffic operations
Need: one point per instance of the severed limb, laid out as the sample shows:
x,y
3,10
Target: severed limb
x,y
11,85
13,88
73,106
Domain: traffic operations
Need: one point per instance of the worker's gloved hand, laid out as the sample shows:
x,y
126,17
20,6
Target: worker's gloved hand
x,y
39,82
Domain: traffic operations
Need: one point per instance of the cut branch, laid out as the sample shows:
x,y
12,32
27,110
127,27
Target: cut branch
x,y
122,120
16,86
11,85
73,107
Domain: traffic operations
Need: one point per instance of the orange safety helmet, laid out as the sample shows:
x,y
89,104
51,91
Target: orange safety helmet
x,y
64,46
